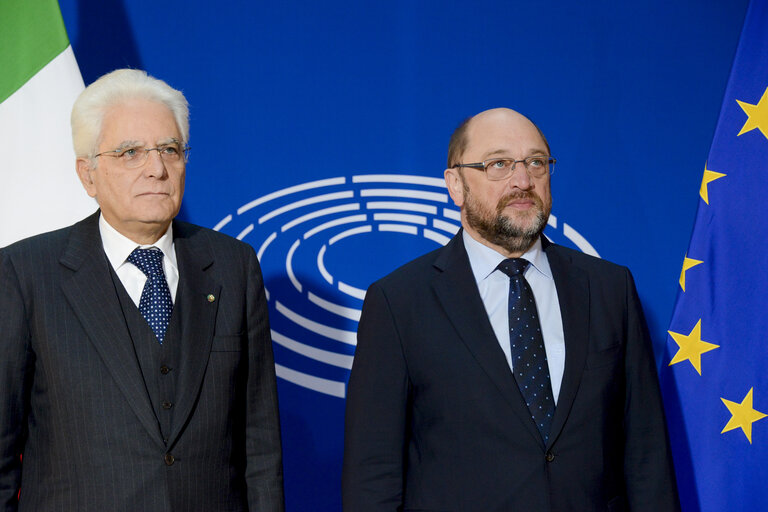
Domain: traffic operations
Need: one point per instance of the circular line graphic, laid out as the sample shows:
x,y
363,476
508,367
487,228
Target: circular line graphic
x,y
316,242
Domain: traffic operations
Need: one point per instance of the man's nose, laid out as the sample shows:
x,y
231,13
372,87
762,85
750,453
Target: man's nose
x,y
519,178
155,165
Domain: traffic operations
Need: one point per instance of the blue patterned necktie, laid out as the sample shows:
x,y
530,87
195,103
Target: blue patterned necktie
x,y
529,358
155,304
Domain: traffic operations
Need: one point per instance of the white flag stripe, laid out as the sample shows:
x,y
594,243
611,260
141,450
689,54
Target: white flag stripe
x,y
40,190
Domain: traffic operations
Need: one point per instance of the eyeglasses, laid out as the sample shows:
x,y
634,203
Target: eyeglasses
x,y
501,168
135,156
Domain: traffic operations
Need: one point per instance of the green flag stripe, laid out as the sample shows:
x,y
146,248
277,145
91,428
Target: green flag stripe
x,y
32,33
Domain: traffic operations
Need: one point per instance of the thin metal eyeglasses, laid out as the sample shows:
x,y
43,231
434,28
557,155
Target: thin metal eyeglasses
x,y
501,168
134,157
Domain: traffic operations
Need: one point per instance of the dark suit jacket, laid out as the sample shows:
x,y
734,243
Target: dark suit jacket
x,y
73,398
435,420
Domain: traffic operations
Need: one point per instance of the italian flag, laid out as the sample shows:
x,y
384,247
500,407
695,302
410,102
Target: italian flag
x,y
39,81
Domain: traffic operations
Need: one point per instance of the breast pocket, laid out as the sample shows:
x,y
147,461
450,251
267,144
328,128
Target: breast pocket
x,y
233,343
603,358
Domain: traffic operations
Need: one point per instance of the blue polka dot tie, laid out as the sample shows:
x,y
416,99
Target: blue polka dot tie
x,y
155,304
529,358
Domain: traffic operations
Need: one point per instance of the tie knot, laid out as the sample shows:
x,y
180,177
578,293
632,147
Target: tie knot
x,y
513,267
149,261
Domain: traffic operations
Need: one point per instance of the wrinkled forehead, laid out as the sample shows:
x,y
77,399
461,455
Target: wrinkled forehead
x,y
140,121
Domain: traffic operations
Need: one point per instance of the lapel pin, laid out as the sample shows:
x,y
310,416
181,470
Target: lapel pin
x,y
211,297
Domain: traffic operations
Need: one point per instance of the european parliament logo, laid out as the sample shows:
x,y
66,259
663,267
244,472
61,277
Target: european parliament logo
x,y
322,243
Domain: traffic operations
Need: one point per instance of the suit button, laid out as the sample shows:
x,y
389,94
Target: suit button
x,y
549,456
167,405
164,370
169,459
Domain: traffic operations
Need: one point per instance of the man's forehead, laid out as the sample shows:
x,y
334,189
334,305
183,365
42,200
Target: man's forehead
x,y
140,121
132,143
501,122
494,130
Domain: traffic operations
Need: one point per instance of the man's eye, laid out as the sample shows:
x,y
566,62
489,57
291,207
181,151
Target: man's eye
x,y
129,153
500,164
537,161
169,150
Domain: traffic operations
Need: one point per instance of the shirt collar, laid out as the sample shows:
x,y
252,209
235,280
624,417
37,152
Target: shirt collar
x,y
484,260
118,247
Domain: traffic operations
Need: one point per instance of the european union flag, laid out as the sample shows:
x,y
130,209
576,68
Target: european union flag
x,y
716,384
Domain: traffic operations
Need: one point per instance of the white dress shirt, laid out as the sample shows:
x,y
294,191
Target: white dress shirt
x,y
118,248
494,291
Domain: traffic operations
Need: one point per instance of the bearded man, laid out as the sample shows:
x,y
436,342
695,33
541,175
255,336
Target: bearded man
x,y
503,372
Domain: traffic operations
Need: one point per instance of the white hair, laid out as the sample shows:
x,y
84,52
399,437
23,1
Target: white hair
x,y
115,88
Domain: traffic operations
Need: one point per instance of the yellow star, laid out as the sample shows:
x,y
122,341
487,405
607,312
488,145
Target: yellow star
x,y
709,176
743,415
757,115
691,347
688,263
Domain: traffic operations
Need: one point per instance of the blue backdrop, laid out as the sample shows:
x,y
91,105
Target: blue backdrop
x,y
304,114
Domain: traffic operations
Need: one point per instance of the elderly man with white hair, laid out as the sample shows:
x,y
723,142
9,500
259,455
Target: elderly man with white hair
x,y
136,368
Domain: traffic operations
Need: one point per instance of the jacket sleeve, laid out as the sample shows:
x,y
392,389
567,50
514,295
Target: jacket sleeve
x,y
376,415
16,363
648,470
264,466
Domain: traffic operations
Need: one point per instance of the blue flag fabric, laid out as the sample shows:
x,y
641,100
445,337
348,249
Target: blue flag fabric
x,y
716,381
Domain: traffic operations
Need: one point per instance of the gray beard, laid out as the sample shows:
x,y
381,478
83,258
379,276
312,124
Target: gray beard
x,y
499,229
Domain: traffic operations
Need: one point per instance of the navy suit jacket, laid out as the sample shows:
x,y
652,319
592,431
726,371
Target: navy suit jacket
x,y
73,399
435,420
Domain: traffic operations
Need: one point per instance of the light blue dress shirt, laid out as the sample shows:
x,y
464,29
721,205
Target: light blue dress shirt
x,y
493,286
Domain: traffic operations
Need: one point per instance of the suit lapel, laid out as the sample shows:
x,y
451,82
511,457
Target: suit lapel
x,y
573,294
457,292
92,296
198,315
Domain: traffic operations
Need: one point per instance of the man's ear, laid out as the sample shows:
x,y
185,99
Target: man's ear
x,y
84,171
455,186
